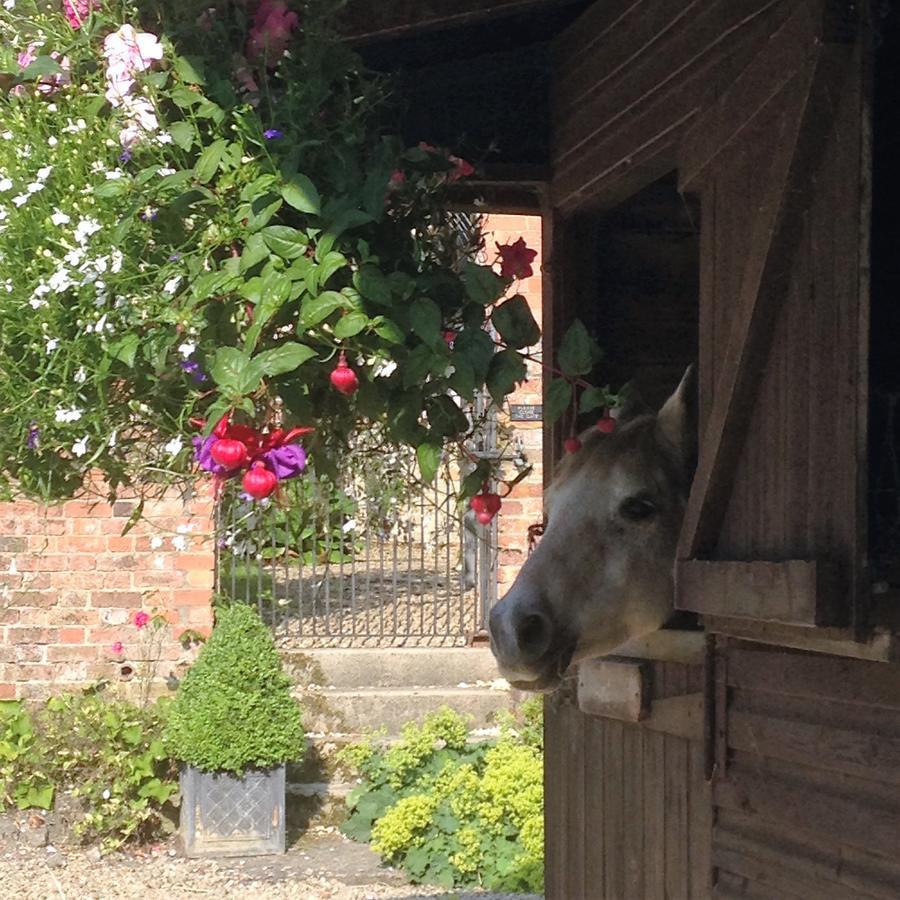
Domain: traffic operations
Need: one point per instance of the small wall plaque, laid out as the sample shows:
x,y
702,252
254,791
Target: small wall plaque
x,y
526,412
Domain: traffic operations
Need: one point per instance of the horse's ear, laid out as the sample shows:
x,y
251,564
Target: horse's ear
x,y
676,423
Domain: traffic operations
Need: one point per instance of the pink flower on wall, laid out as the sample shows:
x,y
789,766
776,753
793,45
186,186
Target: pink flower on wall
x,y
77,11
271,32
118,649
141,619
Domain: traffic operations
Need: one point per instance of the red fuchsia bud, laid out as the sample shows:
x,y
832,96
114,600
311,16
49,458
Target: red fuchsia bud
x,y
477,505
572,444
228,452
492,503
449,337
259,482
484,517
343,378
606,424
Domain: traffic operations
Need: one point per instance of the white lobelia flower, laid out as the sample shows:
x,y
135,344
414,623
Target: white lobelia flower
x,y
174,446
114,174
59,218
165,171
37,302
43,173
68,415
52,344
116,260
187,348
80,447
85,228
80,377
111,443
4,215
106,794
6,135
20,200
171,286
35,186
164,137
180,542
60,281
9,4
52,141
5,184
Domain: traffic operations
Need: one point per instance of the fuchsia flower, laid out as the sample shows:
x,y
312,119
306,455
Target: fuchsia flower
x,y
516,260
271,32
76,11
141,619
118,649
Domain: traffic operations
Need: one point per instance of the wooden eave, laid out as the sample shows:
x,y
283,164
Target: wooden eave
x,y
366,23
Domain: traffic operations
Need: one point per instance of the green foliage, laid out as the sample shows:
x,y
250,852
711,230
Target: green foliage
x,y
106,753
234,708
455,813
249,255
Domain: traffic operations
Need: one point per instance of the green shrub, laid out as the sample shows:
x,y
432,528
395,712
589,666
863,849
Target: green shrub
x,y
454,813
234,709
108,754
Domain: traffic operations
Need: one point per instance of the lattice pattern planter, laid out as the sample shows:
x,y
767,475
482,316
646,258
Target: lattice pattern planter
x,y
223,815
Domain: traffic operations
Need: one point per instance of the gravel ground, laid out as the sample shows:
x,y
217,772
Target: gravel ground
x,y
319,866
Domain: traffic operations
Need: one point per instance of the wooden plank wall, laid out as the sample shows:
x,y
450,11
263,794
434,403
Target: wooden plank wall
x,y
629,78
796,492
810,802
628,810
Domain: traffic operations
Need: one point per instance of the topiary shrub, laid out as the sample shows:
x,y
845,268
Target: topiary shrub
x,y
234,710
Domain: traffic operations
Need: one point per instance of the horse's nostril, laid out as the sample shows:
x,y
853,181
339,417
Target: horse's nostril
x,y
533,635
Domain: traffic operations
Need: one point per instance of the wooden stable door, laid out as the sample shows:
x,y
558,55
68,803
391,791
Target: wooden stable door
x,y
775,526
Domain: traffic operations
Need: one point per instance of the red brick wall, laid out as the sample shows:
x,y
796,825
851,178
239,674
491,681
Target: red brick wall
x,y
524,506
71,582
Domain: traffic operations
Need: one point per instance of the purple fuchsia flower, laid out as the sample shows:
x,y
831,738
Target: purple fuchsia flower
x,y
192,368
273,134
286,462
203,455
34,437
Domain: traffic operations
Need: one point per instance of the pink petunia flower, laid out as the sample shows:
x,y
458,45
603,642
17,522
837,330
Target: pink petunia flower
x,y
141,619
271,32
118,649
76,11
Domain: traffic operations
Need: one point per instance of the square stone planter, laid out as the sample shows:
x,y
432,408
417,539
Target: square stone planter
x,y
223,815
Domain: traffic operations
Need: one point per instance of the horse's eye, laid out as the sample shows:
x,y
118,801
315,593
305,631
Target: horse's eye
x,y
635,509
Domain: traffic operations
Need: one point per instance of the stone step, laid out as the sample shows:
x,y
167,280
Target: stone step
x,y
392,667
367,709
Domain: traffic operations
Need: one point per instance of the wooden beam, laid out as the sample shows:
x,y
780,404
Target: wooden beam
x,y
366,22
770,246
665,645
613,689
795,592
724,122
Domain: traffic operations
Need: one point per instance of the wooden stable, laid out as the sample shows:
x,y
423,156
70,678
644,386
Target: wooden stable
x,y
705,168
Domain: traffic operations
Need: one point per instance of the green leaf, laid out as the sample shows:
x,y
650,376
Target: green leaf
x,y
425,319
208,163
593,398
428,455
113,188
183,134
255,251
372,285
36,797
445,417
227,368
332,263
463,379
515,323
288,243
125,348
190,69
388,330
578,351
358,828
483,285
38,68
316,309
557,400
350,324
262,209
284,358
475,345
301,194
132,734
506,371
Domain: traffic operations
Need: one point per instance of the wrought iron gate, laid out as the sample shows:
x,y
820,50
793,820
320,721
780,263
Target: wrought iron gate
x,y
363,561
